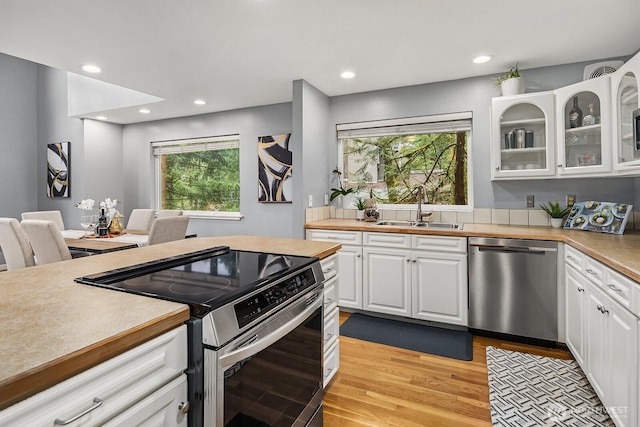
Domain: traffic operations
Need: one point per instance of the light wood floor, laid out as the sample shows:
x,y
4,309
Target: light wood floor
x,y
378,385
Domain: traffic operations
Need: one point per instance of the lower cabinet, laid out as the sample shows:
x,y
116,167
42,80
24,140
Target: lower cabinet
x,y
387,280
141,386
331,355
350,276
575,300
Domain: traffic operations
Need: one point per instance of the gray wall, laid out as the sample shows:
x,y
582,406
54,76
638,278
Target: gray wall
x,y
18,136
475,95
269,219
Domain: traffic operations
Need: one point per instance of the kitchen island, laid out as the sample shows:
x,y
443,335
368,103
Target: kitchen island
x,y
55,328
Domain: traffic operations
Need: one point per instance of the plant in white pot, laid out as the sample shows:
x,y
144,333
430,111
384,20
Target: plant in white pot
x,y
556,213
511,82
360,205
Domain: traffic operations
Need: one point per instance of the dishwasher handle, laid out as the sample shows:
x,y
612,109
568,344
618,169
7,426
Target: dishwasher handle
x,y
524,249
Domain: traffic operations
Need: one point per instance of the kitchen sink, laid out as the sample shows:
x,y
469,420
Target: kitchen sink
x,y
423,224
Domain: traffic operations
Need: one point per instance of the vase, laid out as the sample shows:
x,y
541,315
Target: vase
x,y
513,86
115,227
557,222
360,214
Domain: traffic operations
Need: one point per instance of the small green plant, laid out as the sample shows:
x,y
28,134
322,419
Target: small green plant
x,y
340,190
513,72
360,204
555,211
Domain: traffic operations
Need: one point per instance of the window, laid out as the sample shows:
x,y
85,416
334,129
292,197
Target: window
x,y
391,159
200,176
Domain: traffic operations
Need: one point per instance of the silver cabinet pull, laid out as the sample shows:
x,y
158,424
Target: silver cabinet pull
x,y
408,260
570,258
613,287
328,372
96,404
580,289
599,307
184,407
497,168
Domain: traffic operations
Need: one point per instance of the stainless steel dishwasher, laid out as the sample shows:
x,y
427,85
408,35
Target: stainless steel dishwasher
x,y
513,287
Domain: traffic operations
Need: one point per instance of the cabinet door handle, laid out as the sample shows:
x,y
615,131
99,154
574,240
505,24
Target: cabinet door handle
x,y
408,260
580,289
415,260
96,404
593,273
328,372
497,168
358,256
560,166
184,407
613,288
570,258
604,310
599,307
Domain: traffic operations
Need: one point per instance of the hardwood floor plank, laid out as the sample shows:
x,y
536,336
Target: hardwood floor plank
x,y
379,385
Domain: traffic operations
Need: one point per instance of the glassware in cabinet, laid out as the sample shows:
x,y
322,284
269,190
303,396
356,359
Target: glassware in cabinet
x,y
522,136
624,90
584,145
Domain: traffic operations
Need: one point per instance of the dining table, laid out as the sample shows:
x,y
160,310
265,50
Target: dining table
x,y
80,241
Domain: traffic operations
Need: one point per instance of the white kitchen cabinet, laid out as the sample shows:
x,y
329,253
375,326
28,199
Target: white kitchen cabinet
x,y
515,158
387,280
330,269
111,388
597,341
576,299
624,94
584,150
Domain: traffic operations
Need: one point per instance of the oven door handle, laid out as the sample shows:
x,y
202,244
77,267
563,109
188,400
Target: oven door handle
x,y
253,346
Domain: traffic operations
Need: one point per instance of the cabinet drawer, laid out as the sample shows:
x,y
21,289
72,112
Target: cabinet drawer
x,y
389,240
117,383
331,362
621,289
330,294
346,237
162,408
331,328
440,243
329,266
594,271
574,258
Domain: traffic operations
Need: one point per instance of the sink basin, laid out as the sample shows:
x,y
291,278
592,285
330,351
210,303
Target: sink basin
x,y
445,225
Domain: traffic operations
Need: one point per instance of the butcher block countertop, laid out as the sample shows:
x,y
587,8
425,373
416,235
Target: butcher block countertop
x,y
54,328
620,252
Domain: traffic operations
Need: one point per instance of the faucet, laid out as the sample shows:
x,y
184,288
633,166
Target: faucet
x,y
422,197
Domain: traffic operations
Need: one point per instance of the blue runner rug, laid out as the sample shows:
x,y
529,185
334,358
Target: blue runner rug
x,y
426,339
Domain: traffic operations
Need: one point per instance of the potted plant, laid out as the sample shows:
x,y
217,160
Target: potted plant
x,y
511,82
360,205
556,213
340,190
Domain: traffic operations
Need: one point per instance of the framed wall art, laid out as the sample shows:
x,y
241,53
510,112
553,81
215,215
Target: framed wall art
x,y
58,170
601,217
275,169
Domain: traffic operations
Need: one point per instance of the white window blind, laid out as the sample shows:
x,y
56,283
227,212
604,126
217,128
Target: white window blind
x,y
193,145
445,123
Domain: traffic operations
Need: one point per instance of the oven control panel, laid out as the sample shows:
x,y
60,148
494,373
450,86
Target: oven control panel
x,y
256,305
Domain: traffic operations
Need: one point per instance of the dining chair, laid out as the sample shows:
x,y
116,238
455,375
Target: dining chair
x,y
54,216
46,241
168,229
15,245
141,219
163,213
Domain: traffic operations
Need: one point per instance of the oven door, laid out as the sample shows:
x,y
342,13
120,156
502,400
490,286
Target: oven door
x,y
272,374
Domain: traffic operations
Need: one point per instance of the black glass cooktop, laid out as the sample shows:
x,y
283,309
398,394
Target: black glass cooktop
x,y
205,279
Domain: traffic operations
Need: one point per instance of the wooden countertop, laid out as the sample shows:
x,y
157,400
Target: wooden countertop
x,y
620,252
54,328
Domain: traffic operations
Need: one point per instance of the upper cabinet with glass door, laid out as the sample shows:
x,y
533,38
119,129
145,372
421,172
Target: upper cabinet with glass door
x,y
522,136
624,91
584,128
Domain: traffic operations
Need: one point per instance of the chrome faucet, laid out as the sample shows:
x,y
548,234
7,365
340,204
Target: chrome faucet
x,y
422,197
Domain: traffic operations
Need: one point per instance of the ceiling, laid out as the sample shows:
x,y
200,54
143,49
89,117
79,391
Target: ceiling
x,y
241,53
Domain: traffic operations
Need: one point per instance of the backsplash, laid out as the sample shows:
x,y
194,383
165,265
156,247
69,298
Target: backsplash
x,y
535,217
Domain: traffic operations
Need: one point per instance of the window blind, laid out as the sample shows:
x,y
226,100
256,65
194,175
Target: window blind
x,y
445,123
194,145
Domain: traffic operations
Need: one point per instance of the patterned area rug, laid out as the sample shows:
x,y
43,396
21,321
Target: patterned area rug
x,y
529,390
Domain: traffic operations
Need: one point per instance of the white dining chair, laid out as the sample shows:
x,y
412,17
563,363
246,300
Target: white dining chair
x,y
141,219
163,213
54,216
15,245
46,241
168,229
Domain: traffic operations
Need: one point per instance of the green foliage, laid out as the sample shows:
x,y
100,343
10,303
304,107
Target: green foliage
x,y
203,181
555,211
513,72
360,204
340,190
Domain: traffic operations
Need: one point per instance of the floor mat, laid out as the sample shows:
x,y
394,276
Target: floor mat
x,y
529,390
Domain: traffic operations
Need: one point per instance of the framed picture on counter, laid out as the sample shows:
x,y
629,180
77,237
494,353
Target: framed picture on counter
x,y
275,169
58,170
601,217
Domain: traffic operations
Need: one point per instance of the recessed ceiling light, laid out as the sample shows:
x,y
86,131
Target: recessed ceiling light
x,y
91,68
482,59
348,74
199,101
144,111
101,117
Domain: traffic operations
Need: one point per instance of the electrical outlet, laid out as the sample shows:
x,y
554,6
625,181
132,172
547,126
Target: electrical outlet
x,y
310,201
571,199
531,201
326,200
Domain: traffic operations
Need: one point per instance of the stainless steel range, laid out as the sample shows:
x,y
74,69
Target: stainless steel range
x,y
255,333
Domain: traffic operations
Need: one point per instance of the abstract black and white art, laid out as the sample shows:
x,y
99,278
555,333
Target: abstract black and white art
x,y
275,169
58,169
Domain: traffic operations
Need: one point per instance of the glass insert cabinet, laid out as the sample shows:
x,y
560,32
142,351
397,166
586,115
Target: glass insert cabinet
x,y
522,135
624,91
